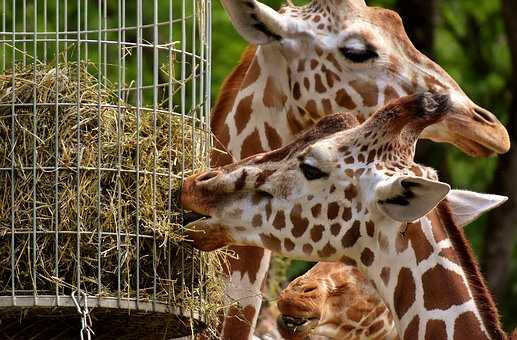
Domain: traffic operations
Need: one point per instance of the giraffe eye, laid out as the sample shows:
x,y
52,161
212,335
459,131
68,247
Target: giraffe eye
x,y
358,55
312,173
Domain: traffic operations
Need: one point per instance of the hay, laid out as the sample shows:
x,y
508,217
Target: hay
x,y
53,192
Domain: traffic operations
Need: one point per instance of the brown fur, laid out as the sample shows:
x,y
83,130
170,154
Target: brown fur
x,y
481,294
326,126
224,103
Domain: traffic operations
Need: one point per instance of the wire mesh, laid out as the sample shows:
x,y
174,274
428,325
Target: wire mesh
x,y
104,108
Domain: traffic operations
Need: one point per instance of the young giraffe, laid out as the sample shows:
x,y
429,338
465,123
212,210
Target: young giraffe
x,y
356,196
307,62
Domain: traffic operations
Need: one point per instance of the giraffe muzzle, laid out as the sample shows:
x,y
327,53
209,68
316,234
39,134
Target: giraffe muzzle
x,y
295,327
473,130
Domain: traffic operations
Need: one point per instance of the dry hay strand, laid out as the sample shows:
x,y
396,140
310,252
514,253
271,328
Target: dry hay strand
x,y
68,163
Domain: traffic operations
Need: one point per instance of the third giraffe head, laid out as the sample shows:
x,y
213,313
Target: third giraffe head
x,y
341,55
310,198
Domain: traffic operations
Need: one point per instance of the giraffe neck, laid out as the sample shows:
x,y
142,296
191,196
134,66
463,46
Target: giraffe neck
x,y
253,88
432,284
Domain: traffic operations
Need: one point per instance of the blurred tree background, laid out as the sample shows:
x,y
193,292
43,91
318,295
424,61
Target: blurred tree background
x,y
476,42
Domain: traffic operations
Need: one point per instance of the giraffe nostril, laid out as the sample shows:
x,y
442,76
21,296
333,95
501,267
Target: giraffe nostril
x,y
484,116
309,289
207,176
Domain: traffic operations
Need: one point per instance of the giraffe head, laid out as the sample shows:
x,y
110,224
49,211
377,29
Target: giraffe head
x,y
310,198
336,301
336,55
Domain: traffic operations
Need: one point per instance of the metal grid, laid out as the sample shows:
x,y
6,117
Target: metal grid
x,y
156,57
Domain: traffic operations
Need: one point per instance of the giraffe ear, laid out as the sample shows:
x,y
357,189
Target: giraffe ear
x,y
407,198
467,206
260,24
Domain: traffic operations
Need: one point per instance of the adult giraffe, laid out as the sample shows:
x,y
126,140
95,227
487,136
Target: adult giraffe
x,y
307,62
334,300
356,196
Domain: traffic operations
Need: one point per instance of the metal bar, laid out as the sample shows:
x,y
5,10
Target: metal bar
x,y
4,10
56,141
34,157
13,161
139,104
78,170
155,128
170,101
99,146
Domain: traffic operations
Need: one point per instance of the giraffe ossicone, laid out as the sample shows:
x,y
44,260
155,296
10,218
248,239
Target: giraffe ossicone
x,y
352,196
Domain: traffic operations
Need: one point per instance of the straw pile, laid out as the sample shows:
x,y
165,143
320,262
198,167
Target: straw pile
x,y
56,189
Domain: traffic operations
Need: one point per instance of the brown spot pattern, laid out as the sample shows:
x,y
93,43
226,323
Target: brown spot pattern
x,y
421,246
368,90
350,192
327,106
352,235
317,232
279,221
273,138
332,210
307,249
300,224
404,295
347,214
467,327
411,332
316,210
443,288
271,242
273,96
312,109
288,244
370,228
367,257
319,87
243,114
385,275
335,229
296,91
257,221
327,251
252,75
390,94
435,329
251,145
401,243
344,100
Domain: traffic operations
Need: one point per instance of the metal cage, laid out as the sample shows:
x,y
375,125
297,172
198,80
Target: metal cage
x,y
89,211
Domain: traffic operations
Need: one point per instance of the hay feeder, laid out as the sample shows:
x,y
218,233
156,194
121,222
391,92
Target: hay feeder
x,y
103,110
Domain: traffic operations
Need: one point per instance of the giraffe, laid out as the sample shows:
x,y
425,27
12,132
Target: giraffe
x,y
336,301
356,196
307,62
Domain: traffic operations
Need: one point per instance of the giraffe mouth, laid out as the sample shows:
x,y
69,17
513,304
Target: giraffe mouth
x,y
294,325
193,217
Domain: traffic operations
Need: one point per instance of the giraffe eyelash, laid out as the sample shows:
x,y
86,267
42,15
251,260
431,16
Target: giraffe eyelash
x,y
358,55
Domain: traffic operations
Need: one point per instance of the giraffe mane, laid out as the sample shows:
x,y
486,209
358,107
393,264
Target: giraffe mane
x,y
326,126
482,296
